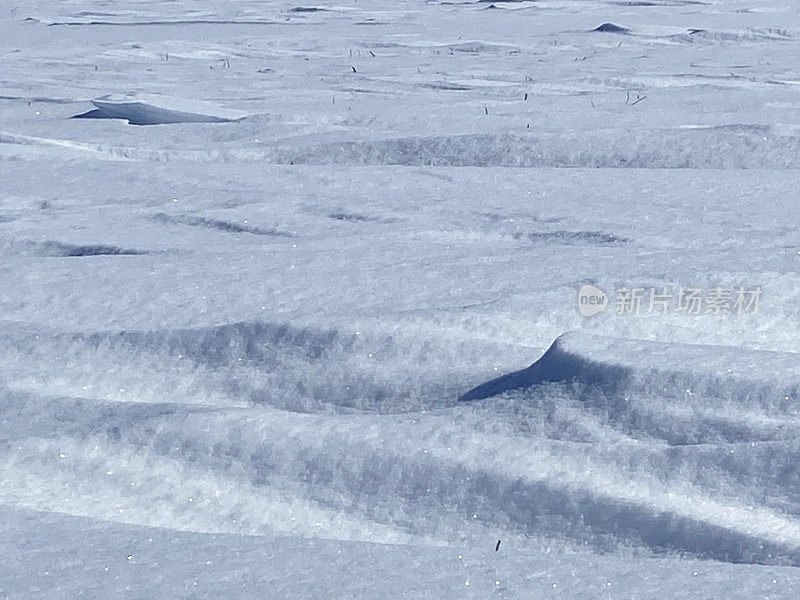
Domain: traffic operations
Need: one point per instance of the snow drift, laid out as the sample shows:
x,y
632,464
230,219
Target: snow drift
x,y
158,110
768,379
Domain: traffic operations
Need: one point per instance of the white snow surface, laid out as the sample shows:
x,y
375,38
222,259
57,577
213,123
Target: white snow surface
x,y
290,339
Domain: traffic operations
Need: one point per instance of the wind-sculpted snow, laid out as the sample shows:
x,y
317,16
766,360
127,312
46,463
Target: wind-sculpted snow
x,y
157,111
691,149
233,342
62,249
734,146
217,224
297,369
768,380
615,485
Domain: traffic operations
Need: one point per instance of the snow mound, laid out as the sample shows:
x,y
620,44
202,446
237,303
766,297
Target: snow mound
x,y
757,378
274,364
645,148
158,110
611,28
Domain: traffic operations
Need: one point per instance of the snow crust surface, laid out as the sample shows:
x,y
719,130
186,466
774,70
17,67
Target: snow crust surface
x,y
291,339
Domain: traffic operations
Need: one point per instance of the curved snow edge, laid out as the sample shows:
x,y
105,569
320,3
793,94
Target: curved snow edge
x,y
766,378
159,110
555,365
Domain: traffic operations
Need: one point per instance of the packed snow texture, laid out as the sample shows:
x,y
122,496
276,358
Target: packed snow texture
x,y
291,338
